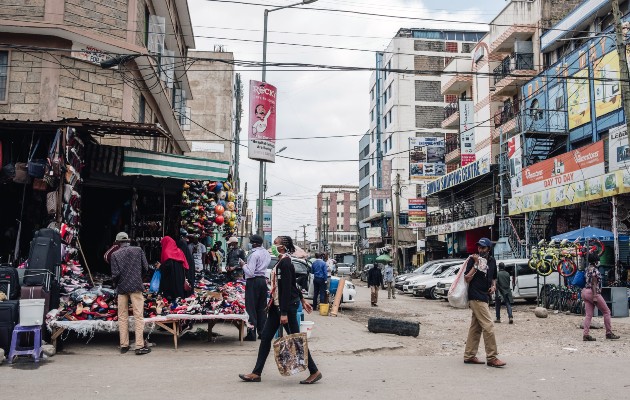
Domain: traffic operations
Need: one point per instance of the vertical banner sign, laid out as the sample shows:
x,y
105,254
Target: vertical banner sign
x,y
262,121
579,99
467,131
618,150
267,219
387,175
417,213
515,157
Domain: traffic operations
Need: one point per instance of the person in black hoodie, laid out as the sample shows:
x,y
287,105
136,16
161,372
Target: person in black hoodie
x,y
374,281
182,243
283,306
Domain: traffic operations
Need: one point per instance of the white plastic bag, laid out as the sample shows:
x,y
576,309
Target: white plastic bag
x,y
458,293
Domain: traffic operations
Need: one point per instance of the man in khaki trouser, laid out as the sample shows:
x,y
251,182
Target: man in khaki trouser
x,y
481,272
128,265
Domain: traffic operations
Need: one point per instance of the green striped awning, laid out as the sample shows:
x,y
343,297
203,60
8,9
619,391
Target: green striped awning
x,y
161,165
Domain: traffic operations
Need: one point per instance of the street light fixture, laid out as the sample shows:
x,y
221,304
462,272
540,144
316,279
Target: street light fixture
x,y
261,180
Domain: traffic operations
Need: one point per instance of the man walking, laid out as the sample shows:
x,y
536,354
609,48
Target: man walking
x,y
256,286
481,278
198,251
375,281
128,265
503,293
388,278
319,280
234,256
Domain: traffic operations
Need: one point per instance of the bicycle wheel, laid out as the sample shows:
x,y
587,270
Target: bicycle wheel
x,y
566,267
533,263
595,245
544,268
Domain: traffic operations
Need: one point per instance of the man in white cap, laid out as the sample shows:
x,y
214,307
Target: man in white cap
x,y
128,265
234,256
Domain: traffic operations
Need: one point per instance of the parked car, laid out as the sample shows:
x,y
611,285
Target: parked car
x,y
430,273
304,278
401,279
427,288
343,269
443,286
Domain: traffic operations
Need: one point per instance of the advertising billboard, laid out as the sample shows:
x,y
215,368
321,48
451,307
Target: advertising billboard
x,y
579,96
417,213
618,150
467,131
515,157
607,86
426,157
262,121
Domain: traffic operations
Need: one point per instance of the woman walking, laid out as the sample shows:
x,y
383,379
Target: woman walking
x,y
283,306
174,267
592,295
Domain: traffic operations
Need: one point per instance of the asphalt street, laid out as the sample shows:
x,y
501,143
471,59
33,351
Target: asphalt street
x,y
355,363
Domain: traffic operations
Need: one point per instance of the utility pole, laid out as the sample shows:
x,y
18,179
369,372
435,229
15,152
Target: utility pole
x,y
296,231
304,232
325,226
396,221
244,209
625,94
238,89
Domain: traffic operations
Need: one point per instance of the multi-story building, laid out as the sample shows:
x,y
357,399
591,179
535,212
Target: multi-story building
x,y
337,230
484,90
573,159
211,108
364,177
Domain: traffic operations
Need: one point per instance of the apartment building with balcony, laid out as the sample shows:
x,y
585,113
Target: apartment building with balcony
x,y
573,134
406,107
337,229
483,95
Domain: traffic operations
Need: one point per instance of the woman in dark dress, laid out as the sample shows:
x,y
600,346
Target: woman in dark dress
x,y
285,299
190,273
174,267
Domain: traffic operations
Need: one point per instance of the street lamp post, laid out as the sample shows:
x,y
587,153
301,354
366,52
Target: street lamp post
x,y
261,180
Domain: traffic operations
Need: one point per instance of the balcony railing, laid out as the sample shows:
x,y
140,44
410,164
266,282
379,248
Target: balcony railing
x,y
462,210
450,109
517,61
506,113
452,143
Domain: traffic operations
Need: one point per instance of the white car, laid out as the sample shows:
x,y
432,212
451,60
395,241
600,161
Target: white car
x,y
430,273
443,286
349,291
427,288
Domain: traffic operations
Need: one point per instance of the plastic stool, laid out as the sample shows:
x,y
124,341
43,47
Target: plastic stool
x,y
34,351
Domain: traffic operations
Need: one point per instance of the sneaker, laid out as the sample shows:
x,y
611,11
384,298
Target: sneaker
x,y
497,321
511,321
589,338
612,336
124,349
143,350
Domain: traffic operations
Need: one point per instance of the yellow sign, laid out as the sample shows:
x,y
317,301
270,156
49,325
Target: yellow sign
x,y
579,99
607,87
599,187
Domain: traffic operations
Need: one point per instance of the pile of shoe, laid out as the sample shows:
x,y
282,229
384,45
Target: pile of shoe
x,y
72,278
209,206
93,304
206,280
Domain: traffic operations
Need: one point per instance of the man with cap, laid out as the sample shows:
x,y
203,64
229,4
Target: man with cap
x,y
481,274
234,256
256,286
128,265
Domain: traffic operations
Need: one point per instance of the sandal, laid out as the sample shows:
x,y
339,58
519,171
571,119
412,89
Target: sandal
x,y
309,381
143,350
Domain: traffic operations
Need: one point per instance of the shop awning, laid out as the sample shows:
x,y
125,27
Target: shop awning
x,y
143,162
589,232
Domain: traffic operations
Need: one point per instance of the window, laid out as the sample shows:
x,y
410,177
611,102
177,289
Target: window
x,y
389,92
155,34
450,98
142,109
372,94
385,121
451,47
390,116
4,75
372,115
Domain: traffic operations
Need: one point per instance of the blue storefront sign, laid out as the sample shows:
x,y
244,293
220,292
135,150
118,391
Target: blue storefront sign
x,y
461,175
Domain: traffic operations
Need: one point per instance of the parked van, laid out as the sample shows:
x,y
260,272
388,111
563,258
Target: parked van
x,y
524,278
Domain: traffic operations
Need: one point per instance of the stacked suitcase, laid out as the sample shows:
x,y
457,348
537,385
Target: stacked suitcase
x,y
9,317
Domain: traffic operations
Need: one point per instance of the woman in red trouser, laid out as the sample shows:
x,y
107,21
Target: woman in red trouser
x,y
592,295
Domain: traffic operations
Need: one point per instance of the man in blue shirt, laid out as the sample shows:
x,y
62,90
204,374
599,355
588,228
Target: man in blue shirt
x,y
320,273
256,286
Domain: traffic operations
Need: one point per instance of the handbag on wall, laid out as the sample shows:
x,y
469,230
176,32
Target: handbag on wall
x,y
51,203
21,174
36,167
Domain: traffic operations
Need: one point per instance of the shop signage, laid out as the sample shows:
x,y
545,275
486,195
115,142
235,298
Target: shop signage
x,y
262,121
417,213
599,187
427,157
515,158
461,175
461,225
380,194
89,54
373,233
618,150
467,131
386,170
579,105
607,87
208,147
577,165
420,245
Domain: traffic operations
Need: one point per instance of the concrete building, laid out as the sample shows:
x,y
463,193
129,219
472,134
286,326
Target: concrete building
x,y
337,219
212,105
54,50
485,89
407,108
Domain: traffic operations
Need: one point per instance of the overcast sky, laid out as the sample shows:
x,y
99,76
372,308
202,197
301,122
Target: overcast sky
x,y
317,103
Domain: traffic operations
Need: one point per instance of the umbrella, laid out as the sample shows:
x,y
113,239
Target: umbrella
x,y
587,233
384,258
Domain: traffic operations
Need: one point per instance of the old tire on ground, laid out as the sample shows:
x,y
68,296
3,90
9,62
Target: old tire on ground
x,y
394,326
